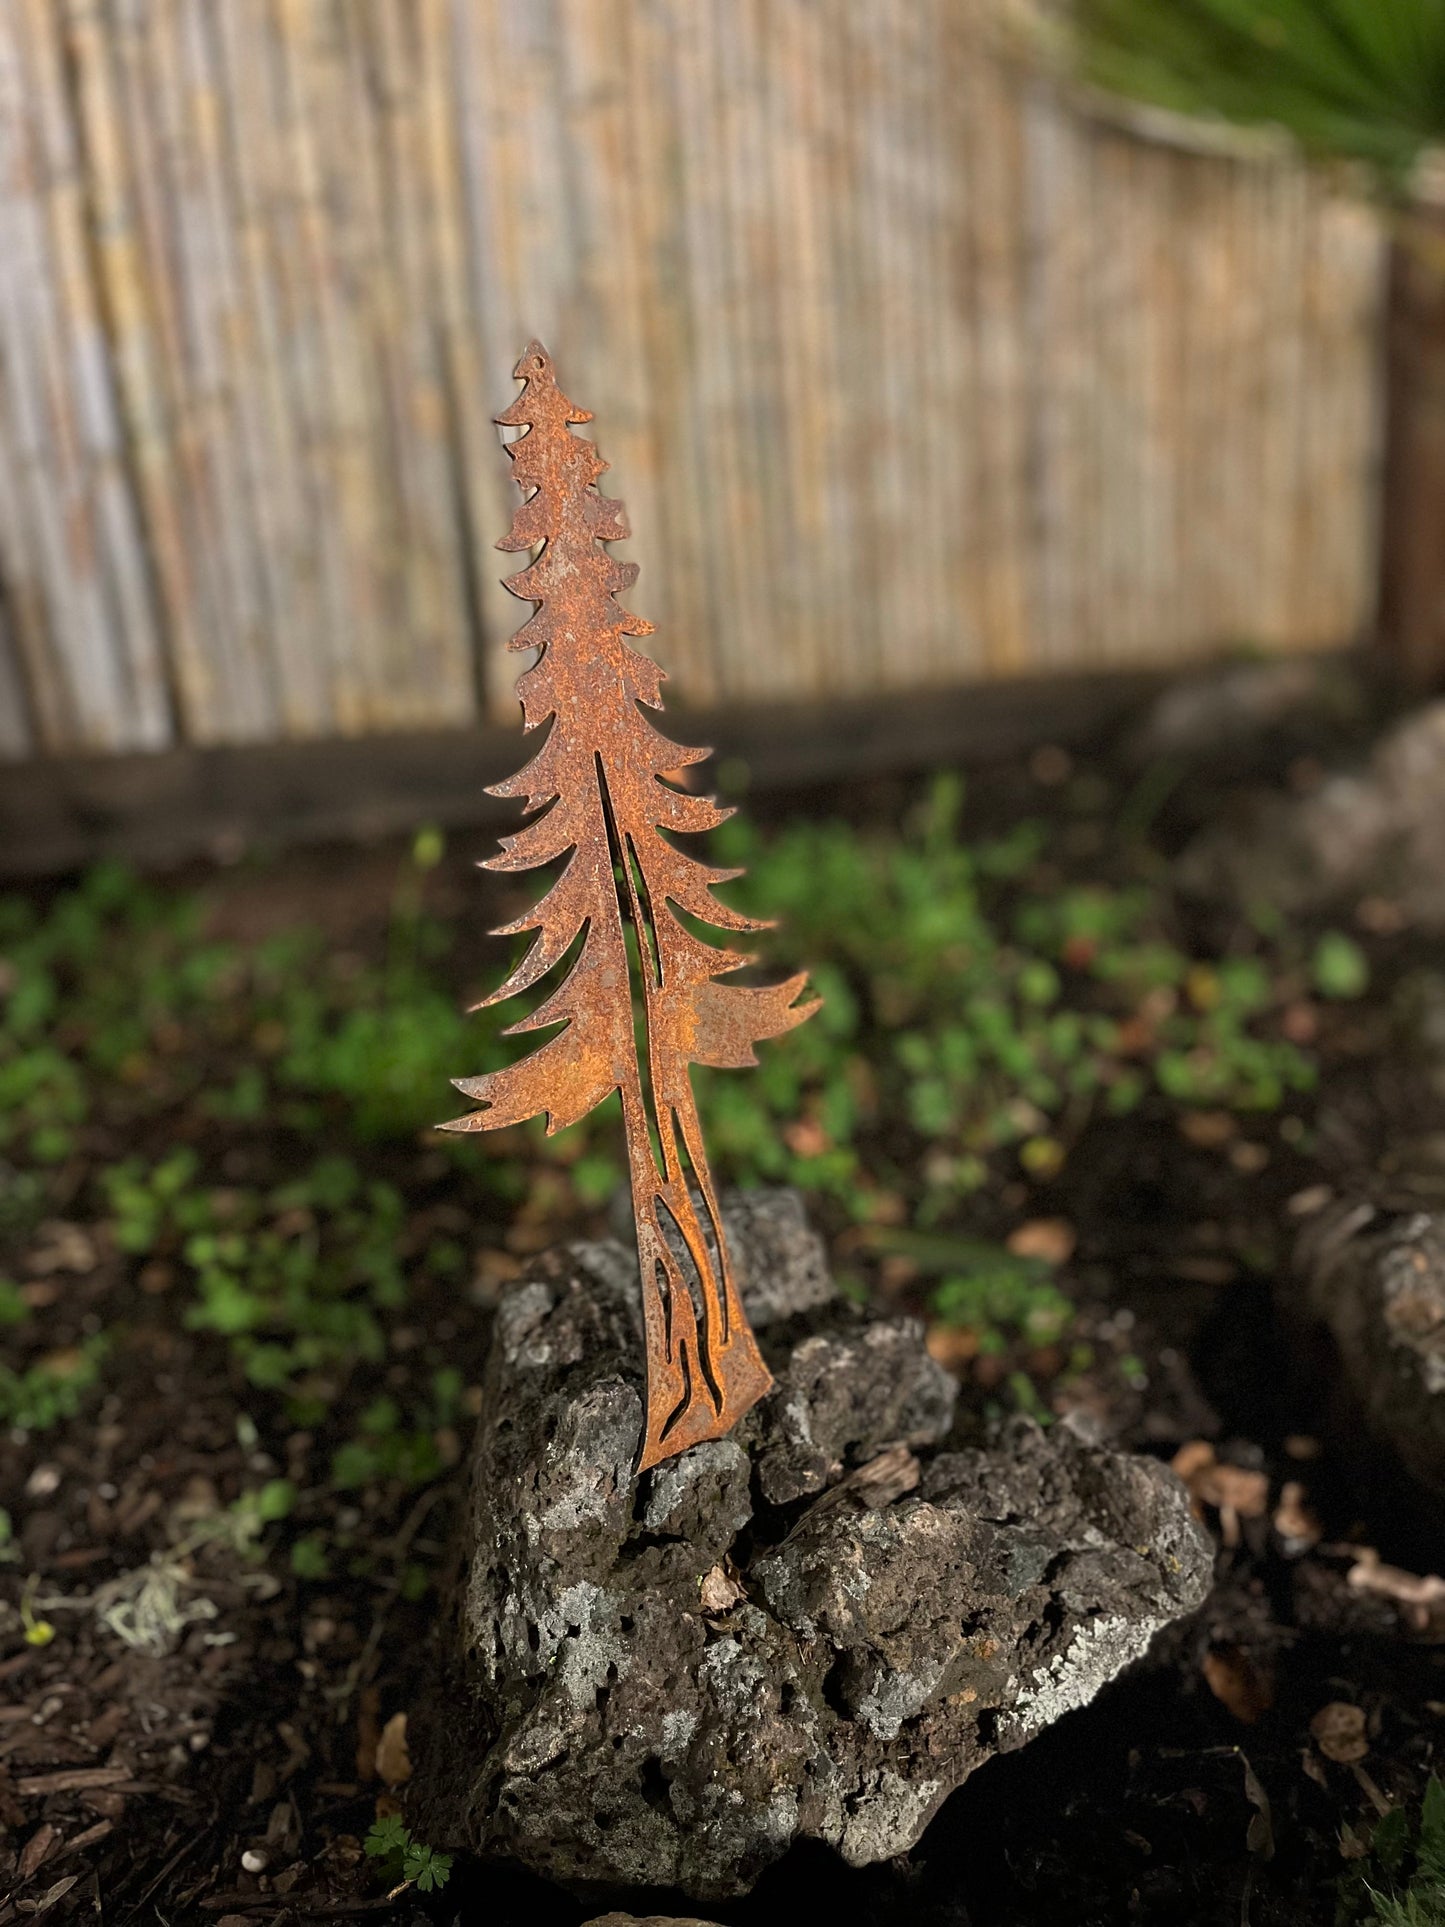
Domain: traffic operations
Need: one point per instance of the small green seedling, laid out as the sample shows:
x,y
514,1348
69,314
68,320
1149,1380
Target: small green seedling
x,y
52,1389
38,1632
405,1859
1339,967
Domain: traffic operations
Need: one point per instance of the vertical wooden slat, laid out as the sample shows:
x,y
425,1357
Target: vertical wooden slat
x,y
996,229
671,516
427,633
36,700
471,437
601,192
493,51
82,509
16,738
221,682
717,466
285,501
332,262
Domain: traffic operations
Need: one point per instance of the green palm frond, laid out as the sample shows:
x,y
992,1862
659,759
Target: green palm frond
x,y
1359,78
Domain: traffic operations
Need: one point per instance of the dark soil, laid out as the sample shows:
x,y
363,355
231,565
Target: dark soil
x,y
233,1777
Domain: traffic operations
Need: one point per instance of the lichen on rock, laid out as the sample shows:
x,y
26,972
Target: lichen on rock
x,y
818,1627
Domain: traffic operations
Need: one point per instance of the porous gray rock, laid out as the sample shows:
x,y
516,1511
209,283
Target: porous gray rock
x,y
648,1920
818,1626
1373,1277
1378,829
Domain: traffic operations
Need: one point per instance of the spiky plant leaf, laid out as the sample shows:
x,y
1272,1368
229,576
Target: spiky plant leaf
x,y
1358,78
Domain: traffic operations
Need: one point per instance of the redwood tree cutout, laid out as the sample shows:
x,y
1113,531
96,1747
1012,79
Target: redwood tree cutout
x,y
602,770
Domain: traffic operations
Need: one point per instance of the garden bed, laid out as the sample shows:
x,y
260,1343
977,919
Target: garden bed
x,y
1075,1117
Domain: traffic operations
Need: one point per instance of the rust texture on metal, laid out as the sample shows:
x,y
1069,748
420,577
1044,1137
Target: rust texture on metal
x,y
603,771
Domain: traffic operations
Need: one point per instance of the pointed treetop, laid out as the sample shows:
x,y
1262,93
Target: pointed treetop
x,y
541,399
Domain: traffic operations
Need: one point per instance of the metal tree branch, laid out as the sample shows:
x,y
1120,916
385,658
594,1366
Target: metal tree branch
x,y
599,778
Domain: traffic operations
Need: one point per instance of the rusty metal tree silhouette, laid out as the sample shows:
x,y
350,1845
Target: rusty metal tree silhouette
x,y
599,778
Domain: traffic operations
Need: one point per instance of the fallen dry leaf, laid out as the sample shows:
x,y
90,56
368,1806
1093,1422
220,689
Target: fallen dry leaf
x,y
897,1272
1234,1492
1191,1459
1353,1845
1207,1129
393,1761
718,1592
62,1246
1204,1270
1306,1203
56,1893
1051,1239
1380,916
806,1138
64,1363
1237,1683
952,1346
368,1731
1338,1731
1300,1022
1259,1836
156,1277
492,1268
1420,1596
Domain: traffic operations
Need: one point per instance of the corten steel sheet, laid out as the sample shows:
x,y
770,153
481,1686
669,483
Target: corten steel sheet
x,y
599,778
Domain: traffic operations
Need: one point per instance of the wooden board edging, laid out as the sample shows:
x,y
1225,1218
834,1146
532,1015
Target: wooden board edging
x,y
170,807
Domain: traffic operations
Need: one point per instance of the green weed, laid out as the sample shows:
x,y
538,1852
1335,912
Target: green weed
x,y
1402,1882
968,1014
1339,966
35,1399
1363,78
980,1010
403,1858
295,1278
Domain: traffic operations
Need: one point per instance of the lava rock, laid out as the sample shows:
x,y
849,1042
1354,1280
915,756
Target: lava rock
x,y
818,1626
1379,828
1373,1277
648,1920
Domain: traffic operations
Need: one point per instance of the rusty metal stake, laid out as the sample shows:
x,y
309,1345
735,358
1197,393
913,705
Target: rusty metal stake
x,y
602,770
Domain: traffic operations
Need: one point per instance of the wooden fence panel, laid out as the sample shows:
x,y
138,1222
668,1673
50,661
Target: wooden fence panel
x,y
916,370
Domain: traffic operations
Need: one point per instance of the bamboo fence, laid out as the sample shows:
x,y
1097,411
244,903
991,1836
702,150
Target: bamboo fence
x,y
915,370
